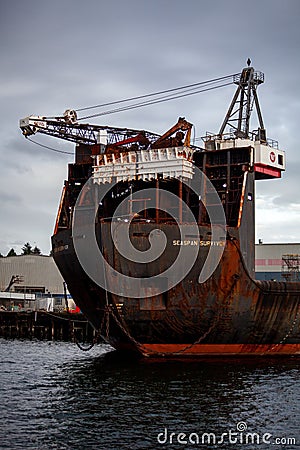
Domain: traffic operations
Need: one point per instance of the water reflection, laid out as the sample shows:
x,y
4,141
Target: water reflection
x,y
138,399
68,400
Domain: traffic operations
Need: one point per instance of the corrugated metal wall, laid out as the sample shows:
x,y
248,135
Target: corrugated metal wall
x,y
268,259
38,271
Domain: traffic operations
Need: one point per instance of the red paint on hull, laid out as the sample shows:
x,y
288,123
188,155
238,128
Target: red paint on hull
x,y
175,350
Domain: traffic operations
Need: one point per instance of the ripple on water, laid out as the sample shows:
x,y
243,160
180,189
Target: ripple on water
x,y
53,396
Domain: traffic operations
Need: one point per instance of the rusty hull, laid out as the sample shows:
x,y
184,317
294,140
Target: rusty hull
x,y
229,314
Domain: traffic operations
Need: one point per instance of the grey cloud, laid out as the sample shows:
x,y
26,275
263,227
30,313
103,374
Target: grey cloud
x,y
9,198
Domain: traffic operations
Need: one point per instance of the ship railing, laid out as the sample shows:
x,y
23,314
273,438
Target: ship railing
x,y
272,143
258,77
231,135
144,156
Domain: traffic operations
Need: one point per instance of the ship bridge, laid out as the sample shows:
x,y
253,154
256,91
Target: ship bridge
x,y
266,159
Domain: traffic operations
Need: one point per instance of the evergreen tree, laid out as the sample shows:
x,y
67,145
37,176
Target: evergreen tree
x,y
36,251
11,252
27,249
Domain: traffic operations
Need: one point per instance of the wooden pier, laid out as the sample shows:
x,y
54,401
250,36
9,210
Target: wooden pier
x,y
44,325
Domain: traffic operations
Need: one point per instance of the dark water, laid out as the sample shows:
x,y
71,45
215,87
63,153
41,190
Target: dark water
x,y
53,396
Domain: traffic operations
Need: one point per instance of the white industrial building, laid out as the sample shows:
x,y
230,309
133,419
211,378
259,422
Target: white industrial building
x,y
37,274
32,282
278,262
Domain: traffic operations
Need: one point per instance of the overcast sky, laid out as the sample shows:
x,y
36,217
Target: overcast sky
x,y
70,53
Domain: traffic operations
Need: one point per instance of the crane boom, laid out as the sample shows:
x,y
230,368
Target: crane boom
x,y
67,128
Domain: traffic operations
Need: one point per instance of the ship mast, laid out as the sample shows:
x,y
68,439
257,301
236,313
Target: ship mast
x,y
242,104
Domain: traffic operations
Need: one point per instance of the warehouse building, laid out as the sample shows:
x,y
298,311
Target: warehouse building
x,y
278,262
33,274
31,282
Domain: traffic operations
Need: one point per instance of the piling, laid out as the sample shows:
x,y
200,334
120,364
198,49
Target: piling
x,y
42,325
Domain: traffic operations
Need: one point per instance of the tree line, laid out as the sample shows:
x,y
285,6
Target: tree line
x,y
27,249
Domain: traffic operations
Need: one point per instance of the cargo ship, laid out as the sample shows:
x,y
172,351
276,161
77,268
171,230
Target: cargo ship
x,y
155,237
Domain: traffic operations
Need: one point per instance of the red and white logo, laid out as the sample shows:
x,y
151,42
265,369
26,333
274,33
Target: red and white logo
x,y
272,157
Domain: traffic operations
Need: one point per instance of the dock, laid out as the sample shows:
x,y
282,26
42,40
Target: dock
x,y
44,325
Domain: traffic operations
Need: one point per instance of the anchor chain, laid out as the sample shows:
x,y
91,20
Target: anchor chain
x,y
95,339
283,340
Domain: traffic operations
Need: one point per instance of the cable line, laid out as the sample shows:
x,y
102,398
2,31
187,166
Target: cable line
x,y
49,148
152,102
194,85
